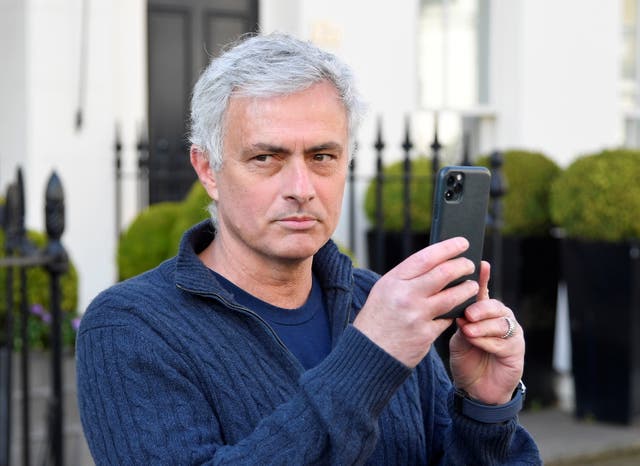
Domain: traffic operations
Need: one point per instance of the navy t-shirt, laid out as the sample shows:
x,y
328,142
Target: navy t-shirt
x,y
304,330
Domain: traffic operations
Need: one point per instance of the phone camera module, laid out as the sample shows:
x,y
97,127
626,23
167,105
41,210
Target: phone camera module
x,y
454,178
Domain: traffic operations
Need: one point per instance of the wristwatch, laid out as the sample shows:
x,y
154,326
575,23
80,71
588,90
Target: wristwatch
x,y
490,414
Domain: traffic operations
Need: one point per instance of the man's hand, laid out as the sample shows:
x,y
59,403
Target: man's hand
x,y
483,363
399,313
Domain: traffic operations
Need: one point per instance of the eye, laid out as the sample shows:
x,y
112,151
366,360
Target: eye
x,y
322,157
262,157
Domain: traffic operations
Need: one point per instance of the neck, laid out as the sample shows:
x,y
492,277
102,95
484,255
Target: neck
x,y
282,283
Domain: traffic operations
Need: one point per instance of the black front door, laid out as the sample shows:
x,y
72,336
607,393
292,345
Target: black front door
x,y
182,37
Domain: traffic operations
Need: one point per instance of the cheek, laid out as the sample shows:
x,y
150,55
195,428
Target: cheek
x,y
332,195
250,201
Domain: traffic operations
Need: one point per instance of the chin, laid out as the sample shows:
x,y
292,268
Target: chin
x,y
299,250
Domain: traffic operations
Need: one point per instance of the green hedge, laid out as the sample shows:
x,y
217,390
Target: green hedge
x,y
526,204
598,196
155,233
420,195
528,176
38,300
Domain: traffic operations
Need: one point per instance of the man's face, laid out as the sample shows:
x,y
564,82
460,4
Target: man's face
x,y
279,190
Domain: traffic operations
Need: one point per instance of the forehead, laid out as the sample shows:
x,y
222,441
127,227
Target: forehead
x,y
319,105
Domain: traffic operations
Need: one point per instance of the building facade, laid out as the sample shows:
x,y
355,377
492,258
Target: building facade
x,y
559,77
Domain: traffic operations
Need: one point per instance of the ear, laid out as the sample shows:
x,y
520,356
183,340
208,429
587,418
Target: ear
x,y
206,175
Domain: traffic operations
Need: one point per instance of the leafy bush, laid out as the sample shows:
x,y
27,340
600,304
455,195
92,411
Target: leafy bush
x,y
155,233
598,196
528,176
38,299
148,240
192,210
420,189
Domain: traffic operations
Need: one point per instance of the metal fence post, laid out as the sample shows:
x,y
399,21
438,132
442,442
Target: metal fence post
x,y
142,147
352,204
435,154
497,190
9,221
407,145
57,265
379,252
117,147
23,249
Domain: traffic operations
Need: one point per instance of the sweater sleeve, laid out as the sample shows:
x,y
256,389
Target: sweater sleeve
x,y
458,440
141,402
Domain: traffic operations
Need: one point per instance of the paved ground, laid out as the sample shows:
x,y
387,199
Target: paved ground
x,y
564,440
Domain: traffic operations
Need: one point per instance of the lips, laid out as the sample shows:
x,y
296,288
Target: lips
x,y
298,222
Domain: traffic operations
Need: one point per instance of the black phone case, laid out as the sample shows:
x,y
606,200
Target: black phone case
x,y
461,199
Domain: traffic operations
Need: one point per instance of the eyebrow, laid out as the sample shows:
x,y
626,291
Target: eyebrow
x,y
272,148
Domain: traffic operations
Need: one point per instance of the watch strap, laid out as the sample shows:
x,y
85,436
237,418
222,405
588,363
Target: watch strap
x,y
490,414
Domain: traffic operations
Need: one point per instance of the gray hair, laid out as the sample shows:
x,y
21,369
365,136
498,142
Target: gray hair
x,y
264,66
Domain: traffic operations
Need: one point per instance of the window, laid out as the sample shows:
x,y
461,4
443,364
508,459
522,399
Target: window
x,y
629,72
453,72
453,55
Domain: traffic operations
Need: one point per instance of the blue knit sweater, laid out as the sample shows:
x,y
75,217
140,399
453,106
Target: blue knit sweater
x,y
171,370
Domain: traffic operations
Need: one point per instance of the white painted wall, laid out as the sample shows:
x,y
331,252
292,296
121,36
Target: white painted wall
x,y
554,75
42,92
13,99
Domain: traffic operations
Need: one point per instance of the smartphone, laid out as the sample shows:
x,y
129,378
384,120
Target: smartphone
x,y
460,203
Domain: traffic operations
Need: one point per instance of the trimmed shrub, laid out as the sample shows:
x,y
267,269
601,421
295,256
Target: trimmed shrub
x,y
148,240
38,299
528,176
192,210
420,189
598,197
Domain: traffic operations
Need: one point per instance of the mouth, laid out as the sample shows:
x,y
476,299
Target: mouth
x,y
298,222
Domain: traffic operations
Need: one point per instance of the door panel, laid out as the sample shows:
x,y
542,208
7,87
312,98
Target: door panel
x,y
183,35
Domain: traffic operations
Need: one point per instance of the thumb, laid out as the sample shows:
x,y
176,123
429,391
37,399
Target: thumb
x,y
483,280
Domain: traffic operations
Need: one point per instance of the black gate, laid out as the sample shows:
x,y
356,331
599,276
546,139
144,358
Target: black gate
x,y
21,254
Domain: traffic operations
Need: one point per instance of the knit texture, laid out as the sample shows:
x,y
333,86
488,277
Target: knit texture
x,y
171,370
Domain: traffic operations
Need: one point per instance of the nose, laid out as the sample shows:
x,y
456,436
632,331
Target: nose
x,y
298,182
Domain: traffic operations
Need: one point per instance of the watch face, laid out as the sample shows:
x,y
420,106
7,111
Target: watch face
x,y
522,387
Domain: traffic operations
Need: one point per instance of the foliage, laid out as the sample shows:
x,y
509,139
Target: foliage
x,y
38,301
155,233
598,196
420,193
148,240
192,210
528,177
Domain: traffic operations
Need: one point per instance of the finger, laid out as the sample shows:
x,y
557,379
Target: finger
x,y
491,328
442,275
489,318
425,259
483,280
449,298
487,309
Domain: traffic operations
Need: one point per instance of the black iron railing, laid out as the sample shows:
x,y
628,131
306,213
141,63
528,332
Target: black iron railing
x,y
20,255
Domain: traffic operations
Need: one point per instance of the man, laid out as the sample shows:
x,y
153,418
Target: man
x,y
259,343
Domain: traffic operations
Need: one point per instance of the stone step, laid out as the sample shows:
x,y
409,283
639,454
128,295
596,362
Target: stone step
x,y
76,451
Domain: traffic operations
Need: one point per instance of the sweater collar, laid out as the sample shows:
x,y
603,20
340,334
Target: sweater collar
x,y
333,269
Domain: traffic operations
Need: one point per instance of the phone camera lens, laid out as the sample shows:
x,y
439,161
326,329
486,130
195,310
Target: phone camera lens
x,y
448,195
457,188
451,179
